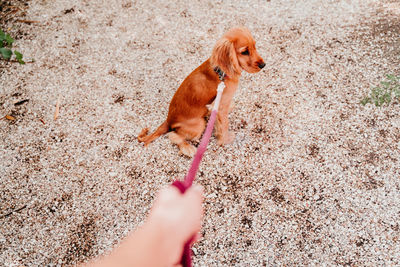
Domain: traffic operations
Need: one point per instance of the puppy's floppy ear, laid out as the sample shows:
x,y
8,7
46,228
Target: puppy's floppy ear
x,y
224,56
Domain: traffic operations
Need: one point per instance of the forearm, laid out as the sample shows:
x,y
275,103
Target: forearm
x,y
173,220
150,245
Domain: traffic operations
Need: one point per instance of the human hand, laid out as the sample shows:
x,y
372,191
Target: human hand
x,y
179,216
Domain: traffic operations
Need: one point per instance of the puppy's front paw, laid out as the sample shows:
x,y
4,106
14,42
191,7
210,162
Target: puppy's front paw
x,y
187,150
227,138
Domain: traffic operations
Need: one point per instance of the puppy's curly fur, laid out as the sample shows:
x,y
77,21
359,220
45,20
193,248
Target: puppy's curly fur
x,y
234,52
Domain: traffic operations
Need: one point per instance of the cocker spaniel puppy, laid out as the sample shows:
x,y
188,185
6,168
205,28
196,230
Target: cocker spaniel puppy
x,y
234,52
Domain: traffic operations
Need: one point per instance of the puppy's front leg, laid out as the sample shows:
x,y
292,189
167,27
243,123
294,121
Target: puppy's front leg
x,y
223,134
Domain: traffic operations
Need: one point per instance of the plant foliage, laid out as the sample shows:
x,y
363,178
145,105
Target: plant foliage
x,y
388,90
6,42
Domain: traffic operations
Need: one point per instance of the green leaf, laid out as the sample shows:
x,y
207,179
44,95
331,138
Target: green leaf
x,y
9,40
391,77
381,100
376,91
387,97
365,101
6,53
397,92
2,36
385,84
19,56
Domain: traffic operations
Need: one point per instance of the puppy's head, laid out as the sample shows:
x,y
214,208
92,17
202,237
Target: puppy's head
x,y
236,51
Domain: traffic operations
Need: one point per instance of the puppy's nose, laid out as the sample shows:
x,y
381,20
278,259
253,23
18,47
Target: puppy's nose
x,y
261,65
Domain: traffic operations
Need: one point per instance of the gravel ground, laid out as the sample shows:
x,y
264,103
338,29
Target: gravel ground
x,y
311,179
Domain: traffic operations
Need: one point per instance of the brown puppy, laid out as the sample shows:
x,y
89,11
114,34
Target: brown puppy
x,y
234,52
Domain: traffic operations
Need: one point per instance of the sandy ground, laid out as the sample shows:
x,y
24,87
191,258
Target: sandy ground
x,y
311,179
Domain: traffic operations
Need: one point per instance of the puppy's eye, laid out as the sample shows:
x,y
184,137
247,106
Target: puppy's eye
x,y
245,52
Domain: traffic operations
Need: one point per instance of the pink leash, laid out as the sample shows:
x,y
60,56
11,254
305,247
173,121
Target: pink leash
x,y
186,259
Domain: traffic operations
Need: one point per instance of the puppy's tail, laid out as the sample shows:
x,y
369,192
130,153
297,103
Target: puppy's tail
x,y
147,139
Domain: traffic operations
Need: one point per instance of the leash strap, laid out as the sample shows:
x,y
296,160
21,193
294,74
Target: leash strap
x,y
186,259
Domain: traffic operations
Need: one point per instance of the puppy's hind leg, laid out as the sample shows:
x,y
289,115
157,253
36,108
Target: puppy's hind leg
x,y
188,130
184,147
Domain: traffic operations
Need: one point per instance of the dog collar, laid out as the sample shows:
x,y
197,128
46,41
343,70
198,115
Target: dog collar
x,y
221,74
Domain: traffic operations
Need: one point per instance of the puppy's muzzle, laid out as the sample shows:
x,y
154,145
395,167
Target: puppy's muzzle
x,y
261,65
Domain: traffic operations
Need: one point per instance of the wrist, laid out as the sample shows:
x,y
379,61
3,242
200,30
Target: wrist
x,y
170,241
